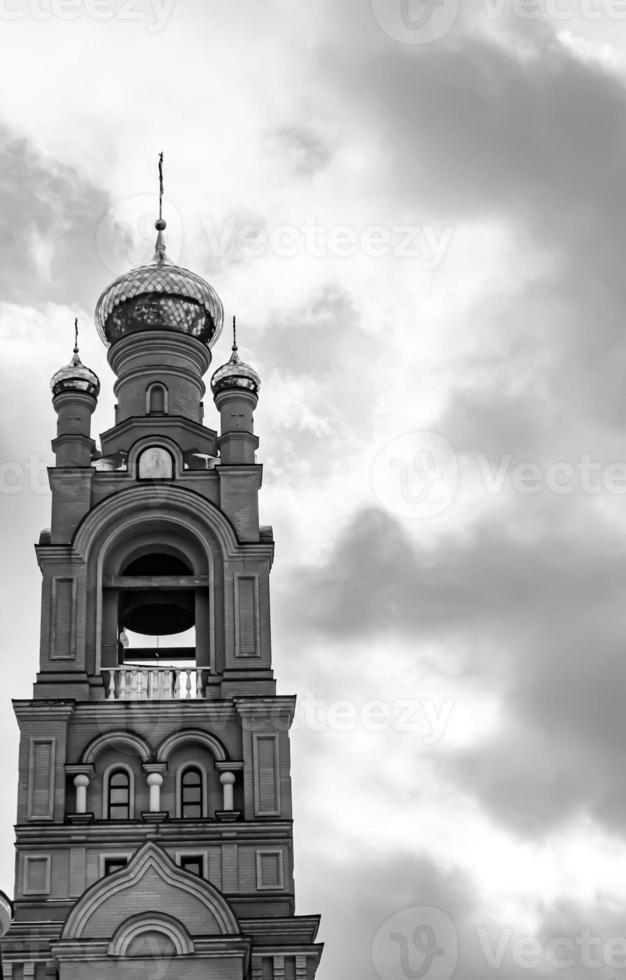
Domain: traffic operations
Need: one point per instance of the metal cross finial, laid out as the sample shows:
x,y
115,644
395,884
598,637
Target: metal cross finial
x,y
76,335
235,334
160,224
160,186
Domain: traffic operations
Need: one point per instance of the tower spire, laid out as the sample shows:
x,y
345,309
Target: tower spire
x,y
76,336
234,347
160,186
160,224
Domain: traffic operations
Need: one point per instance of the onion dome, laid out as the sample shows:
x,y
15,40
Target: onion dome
x,y
75,376
235,373
159,296
6,913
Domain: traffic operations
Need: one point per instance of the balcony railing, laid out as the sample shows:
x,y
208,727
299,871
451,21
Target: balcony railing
x,y
154,683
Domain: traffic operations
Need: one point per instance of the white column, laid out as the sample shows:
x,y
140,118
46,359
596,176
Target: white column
x,y
227,779
155,781
81,782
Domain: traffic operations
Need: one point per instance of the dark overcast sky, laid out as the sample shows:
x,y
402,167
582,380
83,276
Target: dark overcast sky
x,y
419,215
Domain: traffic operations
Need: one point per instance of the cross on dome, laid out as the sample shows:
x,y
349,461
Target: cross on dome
x,y
159,296
235,373
75,376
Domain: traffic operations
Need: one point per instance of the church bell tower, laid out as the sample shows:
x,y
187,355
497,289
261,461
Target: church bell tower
x,y
154,823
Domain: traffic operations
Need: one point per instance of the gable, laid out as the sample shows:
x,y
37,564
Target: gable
x,y
150,883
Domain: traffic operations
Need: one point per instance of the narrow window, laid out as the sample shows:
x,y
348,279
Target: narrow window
x,y
192,863
119,795
157,399
111,865
191,794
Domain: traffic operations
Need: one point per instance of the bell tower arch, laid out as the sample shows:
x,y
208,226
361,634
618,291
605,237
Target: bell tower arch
x,y
154,752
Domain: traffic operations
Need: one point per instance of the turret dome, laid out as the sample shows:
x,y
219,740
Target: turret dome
x,y
235,373
75,376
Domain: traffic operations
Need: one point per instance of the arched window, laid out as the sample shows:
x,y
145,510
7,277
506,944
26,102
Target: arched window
x,y
156,399
191,794
118,795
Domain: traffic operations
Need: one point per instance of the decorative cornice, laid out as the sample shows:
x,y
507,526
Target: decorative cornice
x,y
285,927
277,707
78,769
229,766
188,712
93,950
49,553
42,710
158,767
165,422
135,833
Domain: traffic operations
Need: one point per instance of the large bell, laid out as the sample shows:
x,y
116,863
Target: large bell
x,y
158,612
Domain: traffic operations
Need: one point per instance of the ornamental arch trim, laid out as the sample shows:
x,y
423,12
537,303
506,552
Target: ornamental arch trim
x,y
110,739
170,503
136,926
184,737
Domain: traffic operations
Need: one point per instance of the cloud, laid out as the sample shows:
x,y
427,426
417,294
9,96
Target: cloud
x,y
391,903
302,150
513,345
477,132
537,618
50,213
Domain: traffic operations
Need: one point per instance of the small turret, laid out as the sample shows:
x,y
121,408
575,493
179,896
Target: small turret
x,y
235,386
75,390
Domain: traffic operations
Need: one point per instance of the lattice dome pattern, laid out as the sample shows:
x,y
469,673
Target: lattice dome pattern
x,y
159,296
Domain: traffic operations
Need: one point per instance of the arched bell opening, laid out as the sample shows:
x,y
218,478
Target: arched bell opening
x,y
156,600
